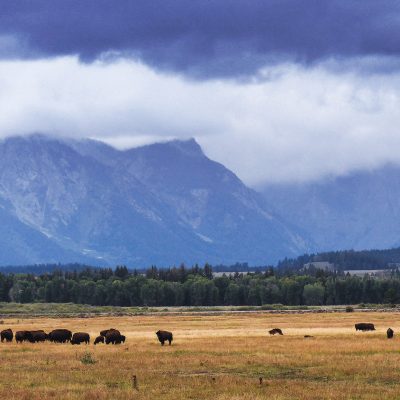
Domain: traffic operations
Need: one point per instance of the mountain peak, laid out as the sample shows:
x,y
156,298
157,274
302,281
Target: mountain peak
x,y
161,204
188,147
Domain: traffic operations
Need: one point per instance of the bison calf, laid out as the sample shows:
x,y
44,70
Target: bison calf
x,y
99,339
275,331
163,336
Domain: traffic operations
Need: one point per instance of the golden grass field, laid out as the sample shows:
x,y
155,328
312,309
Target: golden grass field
x,y
212,357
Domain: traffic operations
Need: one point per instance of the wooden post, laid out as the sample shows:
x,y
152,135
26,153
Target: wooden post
x,y
134,382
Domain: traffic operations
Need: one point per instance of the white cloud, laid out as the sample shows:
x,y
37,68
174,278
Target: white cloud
x,y
293,123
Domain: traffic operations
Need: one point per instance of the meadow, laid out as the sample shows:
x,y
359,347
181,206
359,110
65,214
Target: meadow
x,y
212,357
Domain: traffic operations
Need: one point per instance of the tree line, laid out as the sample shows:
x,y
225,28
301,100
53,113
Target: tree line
x,y
347,259
197,286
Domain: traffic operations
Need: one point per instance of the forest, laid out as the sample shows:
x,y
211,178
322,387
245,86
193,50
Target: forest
x,y
348,259
197,286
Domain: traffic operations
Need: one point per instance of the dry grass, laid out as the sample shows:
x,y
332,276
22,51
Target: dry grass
x,y
212,357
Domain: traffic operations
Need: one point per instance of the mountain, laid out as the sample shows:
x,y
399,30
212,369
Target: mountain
x,y
167,203
358,211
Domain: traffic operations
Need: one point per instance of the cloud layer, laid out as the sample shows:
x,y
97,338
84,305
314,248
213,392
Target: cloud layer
x,y
292,123
202,39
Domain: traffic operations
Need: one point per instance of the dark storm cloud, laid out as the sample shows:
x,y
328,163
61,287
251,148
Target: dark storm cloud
x,y
202,38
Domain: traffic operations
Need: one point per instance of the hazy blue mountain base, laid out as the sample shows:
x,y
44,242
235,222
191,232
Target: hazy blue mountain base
x,y
357,211
83,201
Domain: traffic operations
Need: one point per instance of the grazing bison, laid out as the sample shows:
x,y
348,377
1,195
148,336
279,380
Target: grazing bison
x,y
104,333
364,327
60,335
80,337
120,339
390,333
7,335
99,339
275,331
20,336
35,336
164,336
114,336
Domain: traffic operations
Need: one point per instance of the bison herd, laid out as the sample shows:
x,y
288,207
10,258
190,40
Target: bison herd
x,y
107,336
362,326
114,336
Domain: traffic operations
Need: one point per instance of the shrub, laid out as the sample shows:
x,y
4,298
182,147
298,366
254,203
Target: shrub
x,y
87,358
349,309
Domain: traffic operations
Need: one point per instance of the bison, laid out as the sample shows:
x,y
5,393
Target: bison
x,y
164,336
60,335
364,327
390,333
7,335
99,339
80,337
275,331
104,333
35,336
21,336
114,336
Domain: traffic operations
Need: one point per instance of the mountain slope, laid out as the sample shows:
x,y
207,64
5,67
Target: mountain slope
x,y
359,211
164,204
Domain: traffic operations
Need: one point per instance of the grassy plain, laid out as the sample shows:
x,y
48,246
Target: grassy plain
x,y
217,357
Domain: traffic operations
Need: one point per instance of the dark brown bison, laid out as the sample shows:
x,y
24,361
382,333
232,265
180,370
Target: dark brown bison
x,y
113,336
308,336
35,336
20,336
104,333
364,327
164,336
120,339
275,331
99,339
80,337
7,335
60,335
390,333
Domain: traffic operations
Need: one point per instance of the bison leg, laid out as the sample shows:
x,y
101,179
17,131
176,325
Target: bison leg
x,y
169,340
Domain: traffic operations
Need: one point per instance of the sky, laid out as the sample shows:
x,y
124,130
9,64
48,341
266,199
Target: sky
x,y
276,90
